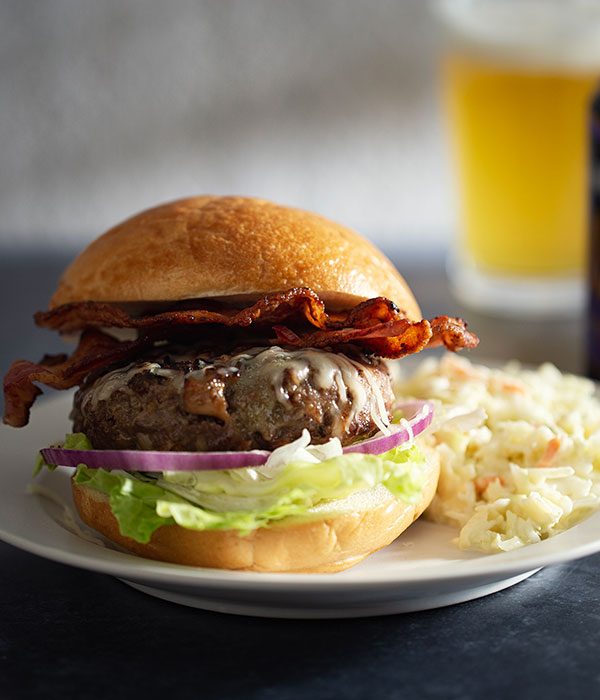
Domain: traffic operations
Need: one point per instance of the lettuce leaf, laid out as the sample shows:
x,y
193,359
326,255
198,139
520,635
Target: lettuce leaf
x,y
245,499
72,441
132,502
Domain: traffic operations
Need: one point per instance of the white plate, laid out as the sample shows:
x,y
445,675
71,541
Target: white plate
x,y
422,569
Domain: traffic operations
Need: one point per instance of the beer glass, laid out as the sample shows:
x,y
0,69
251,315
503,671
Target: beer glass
x,y
517,80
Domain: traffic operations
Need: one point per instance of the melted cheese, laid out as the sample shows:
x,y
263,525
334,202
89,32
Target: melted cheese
x,y
326,370
275,366
111,381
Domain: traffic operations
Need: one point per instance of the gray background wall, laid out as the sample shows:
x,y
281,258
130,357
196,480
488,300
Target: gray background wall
x,y
110,106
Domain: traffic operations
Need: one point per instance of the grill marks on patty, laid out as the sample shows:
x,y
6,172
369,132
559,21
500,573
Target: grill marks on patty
x,y
257,399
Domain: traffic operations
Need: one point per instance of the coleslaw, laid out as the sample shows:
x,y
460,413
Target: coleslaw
x,y
519,448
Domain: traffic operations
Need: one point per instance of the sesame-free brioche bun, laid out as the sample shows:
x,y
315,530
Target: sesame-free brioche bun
x,y
359,526
230,247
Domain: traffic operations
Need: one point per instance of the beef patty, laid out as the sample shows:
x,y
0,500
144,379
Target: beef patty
x,y
256,399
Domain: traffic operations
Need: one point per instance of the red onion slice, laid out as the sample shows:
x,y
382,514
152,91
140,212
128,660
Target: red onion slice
x,y
153,461
418,415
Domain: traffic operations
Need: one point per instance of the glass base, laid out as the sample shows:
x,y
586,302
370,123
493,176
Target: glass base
x,y
515,296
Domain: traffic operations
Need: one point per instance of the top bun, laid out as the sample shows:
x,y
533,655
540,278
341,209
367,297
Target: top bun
x,y
230,247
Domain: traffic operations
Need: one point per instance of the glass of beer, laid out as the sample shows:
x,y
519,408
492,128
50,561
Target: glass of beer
x,y
518,76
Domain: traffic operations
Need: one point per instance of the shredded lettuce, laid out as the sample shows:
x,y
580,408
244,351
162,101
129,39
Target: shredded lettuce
x,y
246,499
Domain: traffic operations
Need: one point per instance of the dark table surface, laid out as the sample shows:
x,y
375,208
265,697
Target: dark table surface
x,y
66,632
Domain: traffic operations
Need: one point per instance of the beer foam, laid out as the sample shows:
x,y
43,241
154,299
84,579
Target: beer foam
x,y
556,34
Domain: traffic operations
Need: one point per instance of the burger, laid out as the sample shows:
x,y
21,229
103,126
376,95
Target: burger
x,y
234,404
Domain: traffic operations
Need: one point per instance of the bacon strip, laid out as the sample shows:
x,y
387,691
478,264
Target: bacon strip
x,y
401,337
379,316
392,339
452,333
95,351
376,325
273,308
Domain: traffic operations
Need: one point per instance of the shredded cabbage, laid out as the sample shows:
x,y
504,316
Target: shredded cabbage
x,y
520,450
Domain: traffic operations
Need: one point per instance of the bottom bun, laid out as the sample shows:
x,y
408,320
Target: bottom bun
x,y
362,524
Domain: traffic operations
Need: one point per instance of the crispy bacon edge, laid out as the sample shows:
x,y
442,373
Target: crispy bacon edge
x,y
95,352
376,325
393,339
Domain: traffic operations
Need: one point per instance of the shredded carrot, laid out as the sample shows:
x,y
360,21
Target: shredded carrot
x,y
511,385
482,482
463,370
460,368
552,448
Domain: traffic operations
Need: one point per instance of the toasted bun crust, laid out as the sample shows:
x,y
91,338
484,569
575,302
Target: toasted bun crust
x,y
230,246
317,546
